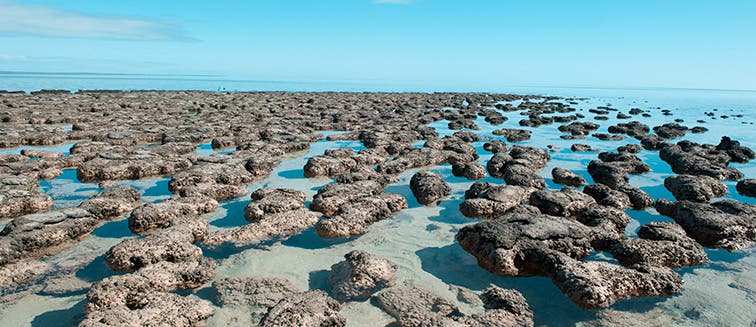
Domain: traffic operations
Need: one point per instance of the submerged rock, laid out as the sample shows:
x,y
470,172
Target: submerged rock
x,y
360,275
254,292
412,306
272,226
311,309
428,187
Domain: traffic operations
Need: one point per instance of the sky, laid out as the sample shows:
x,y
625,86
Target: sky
x,y
437,43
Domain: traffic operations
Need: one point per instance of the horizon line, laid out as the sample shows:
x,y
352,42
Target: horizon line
x,y
71,75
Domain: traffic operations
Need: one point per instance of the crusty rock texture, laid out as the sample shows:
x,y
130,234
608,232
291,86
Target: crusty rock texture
x,y
413,307
360,275
428,187
48,233
725,224
488,201
311,309
695,188
567,177
273,214
152,216
747,187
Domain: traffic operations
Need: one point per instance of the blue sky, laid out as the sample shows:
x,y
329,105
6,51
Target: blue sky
x,y
441,43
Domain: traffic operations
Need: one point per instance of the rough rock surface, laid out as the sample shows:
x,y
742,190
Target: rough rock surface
x,y
152,309
725,224
360,275
659,244
273,226
695,188
428,187
152,216
412,306
566,177
272,201
596,284
330,197
48,233
311,309
485,200
19,196
511,244
567,202
354,217
696,159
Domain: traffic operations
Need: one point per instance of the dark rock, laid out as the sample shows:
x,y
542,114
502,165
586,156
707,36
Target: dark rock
x,y
724,224
566,202
566,177
659,244
695,188
469,170
485,200
428,187
747,187
513,135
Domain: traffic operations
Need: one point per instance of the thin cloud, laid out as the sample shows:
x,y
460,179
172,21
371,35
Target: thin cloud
x,y
36,20
398,2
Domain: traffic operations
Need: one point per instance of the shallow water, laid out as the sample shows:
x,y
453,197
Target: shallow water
x,y
420,239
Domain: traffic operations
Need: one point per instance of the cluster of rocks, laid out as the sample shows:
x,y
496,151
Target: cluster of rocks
x,y
272,214
532,241
519,166
428,187
163,260
19,195
277,302
412,306
692,158
611,172
351,207
26,239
